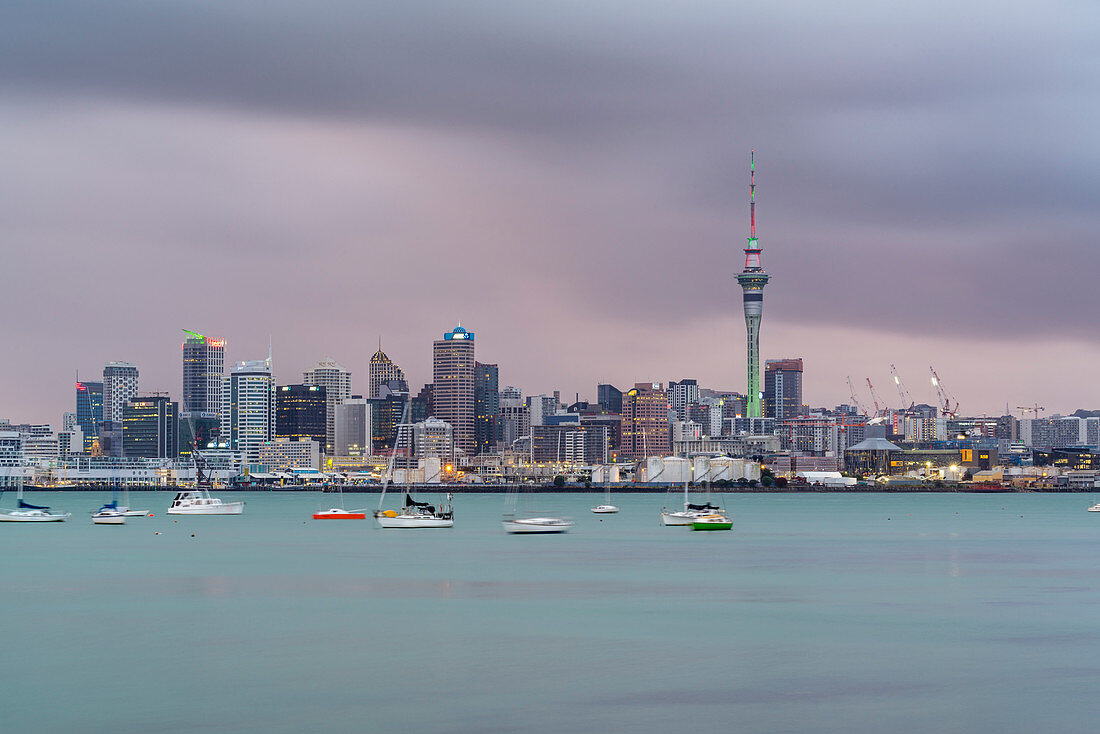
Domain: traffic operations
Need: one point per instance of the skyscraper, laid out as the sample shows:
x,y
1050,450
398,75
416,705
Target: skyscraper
x,y
301,413
487,400
336,380
248,408
453,385
782,388
353,427
120,383
203,372
682,394
150,428
383,370
610,398
89,410
645,422
752,280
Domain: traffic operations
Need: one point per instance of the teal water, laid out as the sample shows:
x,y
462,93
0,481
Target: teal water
x,y
823,613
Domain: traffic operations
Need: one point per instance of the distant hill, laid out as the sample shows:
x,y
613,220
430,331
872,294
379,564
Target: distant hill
x,y
1080,413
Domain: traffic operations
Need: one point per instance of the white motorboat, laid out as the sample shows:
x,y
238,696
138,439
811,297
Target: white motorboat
x,y
109,514
536,525
199,502
1095,508
26,512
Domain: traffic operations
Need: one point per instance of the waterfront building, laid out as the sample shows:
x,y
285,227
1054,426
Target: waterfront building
x,y
573,443
645,429
284,454
248,408
382,371
486,407
782,388
203,373
336,380
150,427
120,383
453,396
301,413
752,281
12,469
610,398
70,442
680,395
89,410
822,435
354,427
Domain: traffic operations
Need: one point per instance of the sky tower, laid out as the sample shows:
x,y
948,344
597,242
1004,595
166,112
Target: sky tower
x,y
752,280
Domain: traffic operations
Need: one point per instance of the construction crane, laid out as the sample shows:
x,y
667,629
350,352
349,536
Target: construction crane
x,y
855,401
906,398
879,412
945,399
1033,409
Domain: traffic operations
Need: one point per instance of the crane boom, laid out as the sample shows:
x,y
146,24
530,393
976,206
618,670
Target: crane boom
x,y
854,399
874,399
944,397
906,398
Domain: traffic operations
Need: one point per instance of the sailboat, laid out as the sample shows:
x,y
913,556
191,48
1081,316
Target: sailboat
x,y
606,508
339,513
26,512
689,514
125,507
110,513
515,523
411,514
198,501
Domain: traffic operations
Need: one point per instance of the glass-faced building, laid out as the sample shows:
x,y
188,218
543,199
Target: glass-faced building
x,y
301,413
487,407
203,372
150,428
89,410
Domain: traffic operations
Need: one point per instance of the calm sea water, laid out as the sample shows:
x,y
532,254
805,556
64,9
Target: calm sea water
x,y
823,613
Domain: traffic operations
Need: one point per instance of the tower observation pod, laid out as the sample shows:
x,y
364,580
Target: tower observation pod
x,y
752,280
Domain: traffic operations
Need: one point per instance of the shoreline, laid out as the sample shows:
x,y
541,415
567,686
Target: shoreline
x,y
623,489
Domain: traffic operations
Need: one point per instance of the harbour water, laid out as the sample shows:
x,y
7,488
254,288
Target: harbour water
x,y
818,612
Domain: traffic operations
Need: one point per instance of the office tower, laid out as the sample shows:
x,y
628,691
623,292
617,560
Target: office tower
x,y
541,407
202,429
89,410
301,413
108,439
433,438
382,371
353,427
120,383
150,427
203,373
782,388
680,395
387,413
337,383
610,398
487,407
752,280
422,405
453,385
644,428
514,419
248,408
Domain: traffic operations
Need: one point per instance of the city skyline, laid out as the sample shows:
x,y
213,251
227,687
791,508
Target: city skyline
x,y
902,201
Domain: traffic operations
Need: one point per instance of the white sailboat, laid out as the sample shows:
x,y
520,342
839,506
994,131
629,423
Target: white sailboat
x,y
516,523
198,501
339,513
125,506
411,514
690,513
606,508
110,513
26,512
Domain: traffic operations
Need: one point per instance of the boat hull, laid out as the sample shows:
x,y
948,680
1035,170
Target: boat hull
x,y
337,514
414,521
225,508
113,519
677,518
605,509
35,516
537,525
712,525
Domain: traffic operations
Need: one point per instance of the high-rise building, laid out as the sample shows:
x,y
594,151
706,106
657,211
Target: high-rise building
x,y
453,385
301,413
120,383
682,394
782,388
610,398
387,413
382,371
353,427
541,407
337,383
644,428
433,438
203,372
150,427
422,405
487,407
752,280
89,410
514,420
248,408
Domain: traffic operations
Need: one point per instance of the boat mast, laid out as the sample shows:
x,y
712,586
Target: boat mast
x,y
393,453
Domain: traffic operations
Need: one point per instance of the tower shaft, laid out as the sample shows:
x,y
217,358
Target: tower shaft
x,y
752,281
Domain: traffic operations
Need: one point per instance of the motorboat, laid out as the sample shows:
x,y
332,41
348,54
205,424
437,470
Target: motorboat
x,y
109,514
339,513
199,502
536,525
714,521
1095,508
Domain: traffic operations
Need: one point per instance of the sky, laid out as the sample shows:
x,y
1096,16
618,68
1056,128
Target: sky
x,y
569,180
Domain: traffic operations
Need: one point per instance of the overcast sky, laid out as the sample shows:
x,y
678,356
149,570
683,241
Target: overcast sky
x,y
568,180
